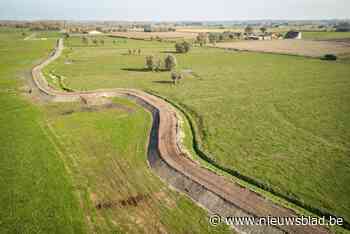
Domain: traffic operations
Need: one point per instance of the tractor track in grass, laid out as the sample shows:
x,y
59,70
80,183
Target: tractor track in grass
x,y
171,163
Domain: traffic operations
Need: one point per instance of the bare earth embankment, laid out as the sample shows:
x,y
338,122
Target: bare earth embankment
x,y
171,163
295,47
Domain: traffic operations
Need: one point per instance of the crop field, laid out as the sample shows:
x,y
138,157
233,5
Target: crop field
x,y
307,30
282,120
72,168
162,35
225,29
296,47
326,35
207,30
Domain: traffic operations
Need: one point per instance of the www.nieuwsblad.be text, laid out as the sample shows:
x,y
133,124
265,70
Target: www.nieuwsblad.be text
x,y
215,220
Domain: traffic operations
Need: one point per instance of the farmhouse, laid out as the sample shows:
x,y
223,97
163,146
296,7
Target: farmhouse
x,y
258,37
293,35
94,32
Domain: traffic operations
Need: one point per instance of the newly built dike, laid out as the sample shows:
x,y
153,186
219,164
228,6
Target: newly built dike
x,y
171,163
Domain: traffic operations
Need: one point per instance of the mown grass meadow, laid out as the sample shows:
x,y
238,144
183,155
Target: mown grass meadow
x,y
281,120
36,193
72,168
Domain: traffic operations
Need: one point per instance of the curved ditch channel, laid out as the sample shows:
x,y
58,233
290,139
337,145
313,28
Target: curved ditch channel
x,y
215,193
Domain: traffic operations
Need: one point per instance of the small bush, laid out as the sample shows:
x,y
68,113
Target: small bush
x,y
150,63
176,76
330,57
173,77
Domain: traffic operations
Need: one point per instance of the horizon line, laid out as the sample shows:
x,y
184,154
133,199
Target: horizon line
x,y
174,21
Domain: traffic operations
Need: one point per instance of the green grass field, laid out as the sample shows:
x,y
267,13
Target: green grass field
x,y
68,168
105,150
282,120
325,35
36,193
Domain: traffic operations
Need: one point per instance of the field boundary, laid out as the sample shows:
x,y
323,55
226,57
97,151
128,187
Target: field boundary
x,y
216,193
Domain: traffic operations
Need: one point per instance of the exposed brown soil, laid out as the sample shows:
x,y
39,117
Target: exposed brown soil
x,y
295,47
130,201
87,108
346,41
215,193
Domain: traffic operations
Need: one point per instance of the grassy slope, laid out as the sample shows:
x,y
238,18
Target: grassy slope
x,y
111,169
283,120
36,194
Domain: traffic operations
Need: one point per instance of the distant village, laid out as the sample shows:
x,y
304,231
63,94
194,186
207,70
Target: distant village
x,y
242,30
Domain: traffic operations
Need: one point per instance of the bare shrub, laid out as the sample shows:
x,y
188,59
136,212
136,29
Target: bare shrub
x,y
150,63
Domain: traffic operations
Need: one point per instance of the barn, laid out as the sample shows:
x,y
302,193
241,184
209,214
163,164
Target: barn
x,y
293,35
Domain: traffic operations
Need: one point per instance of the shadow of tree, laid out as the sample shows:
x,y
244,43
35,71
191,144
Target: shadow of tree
x,y
163,82
169,52
142,70
136,69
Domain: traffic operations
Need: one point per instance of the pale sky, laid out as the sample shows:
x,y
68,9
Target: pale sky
x,y
165,10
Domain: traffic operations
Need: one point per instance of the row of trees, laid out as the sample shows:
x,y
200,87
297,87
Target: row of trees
x,y
150,28
156,38
250,30
134,51
204,38
343,27
94,41
156,64
170,64
86,40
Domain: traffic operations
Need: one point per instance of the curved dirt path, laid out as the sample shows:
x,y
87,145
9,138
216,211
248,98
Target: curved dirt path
x,y
166,157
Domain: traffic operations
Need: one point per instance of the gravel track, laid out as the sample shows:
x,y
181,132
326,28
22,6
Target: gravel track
x,y
213,192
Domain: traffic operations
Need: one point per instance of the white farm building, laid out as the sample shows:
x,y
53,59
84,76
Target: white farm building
x,y
94,32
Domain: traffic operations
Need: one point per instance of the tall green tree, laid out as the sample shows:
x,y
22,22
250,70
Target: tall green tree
x,y
170,62
263,30
183,47
248,30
